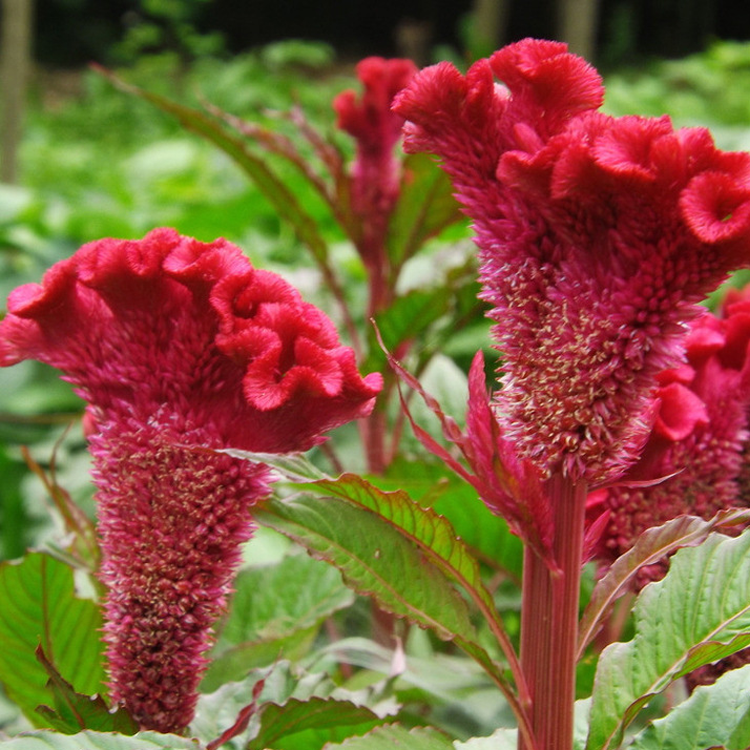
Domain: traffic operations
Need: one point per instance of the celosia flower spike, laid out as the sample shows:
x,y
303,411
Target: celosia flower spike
x,y
181,349
597,238
376,129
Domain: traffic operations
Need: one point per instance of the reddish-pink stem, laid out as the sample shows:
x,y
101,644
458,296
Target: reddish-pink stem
x,y
549,621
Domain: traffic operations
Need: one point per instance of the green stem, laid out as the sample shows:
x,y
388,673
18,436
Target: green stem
x,y
549,620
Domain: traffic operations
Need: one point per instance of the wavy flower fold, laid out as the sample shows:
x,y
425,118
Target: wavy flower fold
x,y
597,237
180,349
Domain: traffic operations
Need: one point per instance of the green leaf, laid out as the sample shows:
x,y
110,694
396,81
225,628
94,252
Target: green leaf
x,y
713,716
274,190
40,608
699,613
395,736
502,739
653,545
45,740
315,722
74,711
373,554
276,611
425,207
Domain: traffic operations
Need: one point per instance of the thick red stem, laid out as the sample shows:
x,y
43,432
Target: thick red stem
x,y
549,621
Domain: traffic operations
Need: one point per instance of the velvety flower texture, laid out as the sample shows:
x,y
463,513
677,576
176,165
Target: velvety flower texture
x,y
699,438
180,349
376,129
597,237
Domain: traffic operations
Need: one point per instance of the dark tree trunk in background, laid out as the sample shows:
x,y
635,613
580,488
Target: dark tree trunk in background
x,y
15,63
577,25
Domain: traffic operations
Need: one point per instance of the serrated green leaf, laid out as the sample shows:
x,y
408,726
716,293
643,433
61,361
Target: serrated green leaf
x,y
319,719
653,545
395,736
373,555
425,207
40,608
698,613
45,740
502,739
713,716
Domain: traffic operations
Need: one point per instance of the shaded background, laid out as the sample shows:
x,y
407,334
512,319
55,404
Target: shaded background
x,y
71,32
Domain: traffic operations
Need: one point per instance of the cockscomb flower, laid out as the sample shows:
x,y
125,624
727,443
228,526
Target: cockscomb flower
x,y
698,441
597,237
376,129
181,349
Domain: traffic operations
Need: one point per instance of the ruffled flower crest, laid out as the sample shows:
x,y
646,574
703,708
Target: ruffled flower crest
x,y
181,349
597,238
376,172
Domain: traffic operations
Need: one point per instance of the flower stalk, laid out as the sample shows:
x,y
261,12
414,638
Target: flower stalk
x,y
549,620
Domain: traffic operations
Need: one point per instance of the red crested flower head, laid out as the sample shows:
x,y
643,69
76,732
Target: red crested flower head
x,y
181,349
699,439
376,129
597,237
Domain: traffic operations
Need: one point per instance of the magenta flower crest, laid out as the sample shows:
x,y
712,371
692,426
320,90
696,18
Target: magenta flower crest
x,y
181,349
597,237
699,438
376,171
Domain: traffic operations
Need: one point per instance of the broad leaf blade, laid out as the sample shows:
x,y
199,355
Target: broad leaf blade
x,y
373,556
319,719
40,608
653,545
714,716
44,740
395,736
74,712
698,613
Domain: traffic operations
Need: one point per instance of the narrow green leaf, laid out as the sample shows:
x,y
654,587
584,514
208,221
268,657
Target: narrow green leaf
x,y
40,608
395,736
653,545
277,193
425,207
698,613
714,716
319,719
45,740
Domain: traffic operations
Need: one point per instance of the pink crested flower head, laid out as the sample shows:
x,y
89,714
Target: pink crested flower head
x,y
597,237
698,441
376,129
180,349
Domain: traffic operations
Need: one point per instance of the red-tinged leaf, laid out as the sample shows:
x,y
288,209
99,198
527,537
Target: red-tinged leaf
x,y
39,606
653,545
320,719
74,711
425,207
373,538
